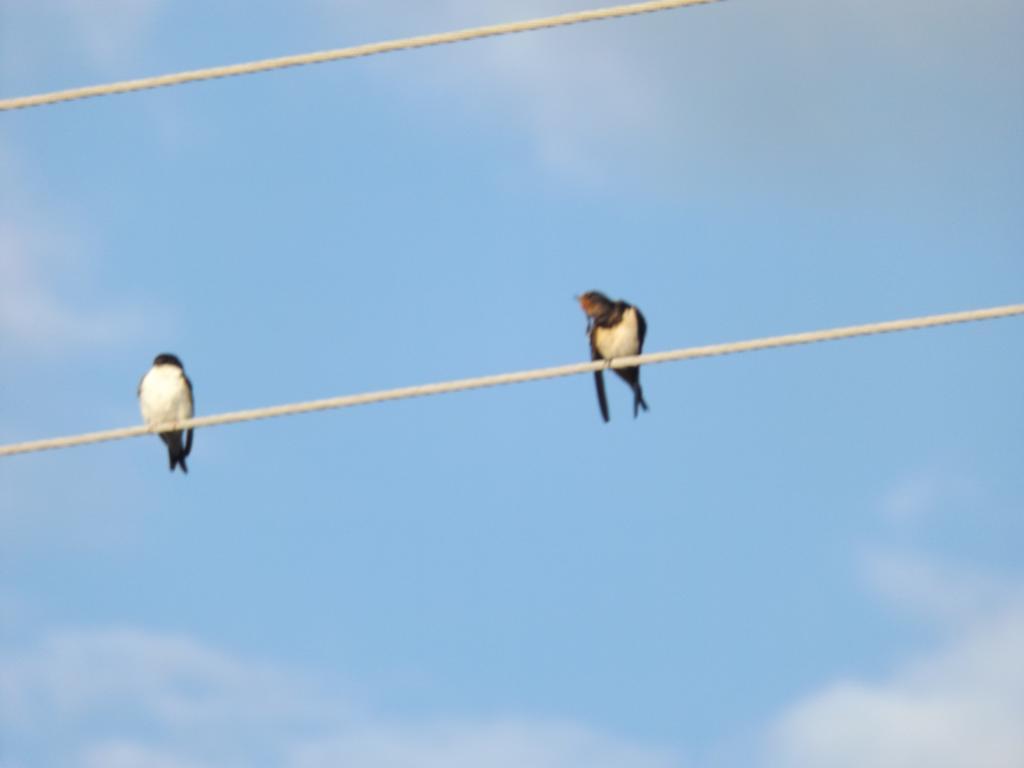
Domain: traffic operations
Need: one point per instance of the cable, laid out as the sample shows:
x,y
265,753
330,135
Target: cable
x,y
353,52
689,353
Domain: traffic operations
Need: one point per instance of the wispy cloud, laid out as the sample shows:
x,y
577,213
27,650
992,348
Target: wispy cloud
x,y
955,707
957,704
102,35
171,681
921,587
912,498
501,744
50,300
131,697
128,754
660,95
111,31
926,493
33,312
176,703
572,93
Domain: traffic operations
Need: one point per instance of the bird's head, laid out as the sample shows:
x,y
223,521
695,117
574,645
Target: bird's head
x,y
594,303
166,358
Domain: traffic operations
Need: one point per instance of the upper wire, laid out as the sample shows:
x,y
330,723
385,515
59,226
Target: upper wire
x,y
370,49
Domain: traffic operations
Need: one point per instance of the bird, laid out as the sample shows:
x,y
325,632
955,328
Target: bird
x,y
165,395
616,329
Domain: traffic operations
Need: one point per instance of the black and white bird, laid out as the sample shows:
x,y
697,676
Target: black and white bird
x,y
616,329
165,395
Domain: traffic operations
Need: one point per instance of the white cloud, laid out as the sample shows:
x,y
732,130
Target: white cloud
x,y
32,311
572,92
125,754
49,297
139,699
960,707
102,35
111,31
501,744
922,588
170,681
923,494
912,499
787,94
175,703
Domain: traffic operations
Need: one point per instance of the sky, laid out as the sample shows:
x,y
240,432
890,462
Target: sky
x,y
801,557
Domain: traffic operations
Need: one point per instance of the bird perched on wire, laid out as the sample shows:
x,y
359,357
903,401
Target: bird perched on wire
x,y
165,395
616,329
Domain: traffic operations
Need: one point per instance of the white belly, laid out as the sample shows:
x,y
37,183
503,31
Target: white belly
x,y
621,341
164,396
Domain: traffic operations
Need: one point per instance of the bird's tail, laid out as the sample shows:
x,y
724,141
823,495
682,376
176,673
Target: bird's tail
x,y
632,377
176,452
638,400
602,399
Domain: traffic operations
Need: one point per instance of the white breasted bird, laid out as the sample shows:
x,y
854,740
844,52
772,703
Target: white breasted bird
x,y
165,395
616,329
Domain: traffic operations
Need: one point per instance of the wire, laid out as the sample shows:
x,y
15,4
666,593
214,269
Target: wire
x,y
459,385
353,52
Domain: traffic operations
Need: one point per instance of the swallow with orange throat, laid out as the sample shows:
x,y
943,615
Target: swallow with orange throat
x,y
616,329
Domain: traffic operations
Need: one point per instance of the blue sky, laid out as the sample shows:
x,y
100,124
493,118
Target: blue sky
x,y
797,558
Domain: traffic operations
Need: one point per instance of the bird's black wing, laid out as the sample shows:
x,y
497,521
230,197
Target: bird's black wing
x,y
641,328
188,434
638,394
602,399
